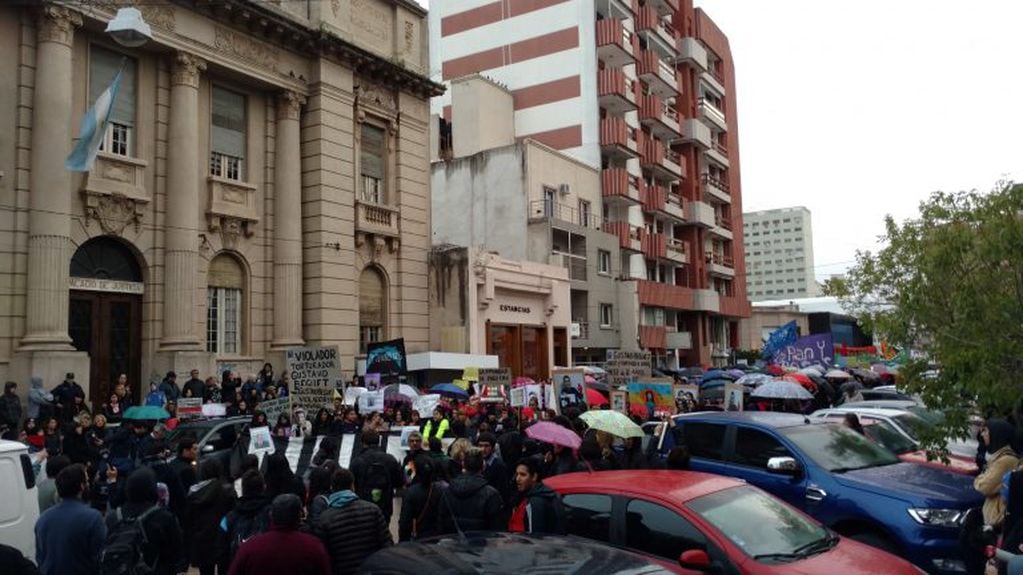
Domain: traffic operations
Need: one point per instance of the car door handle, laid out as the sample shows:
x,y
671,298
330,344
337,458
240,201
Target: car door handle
x,y
815,494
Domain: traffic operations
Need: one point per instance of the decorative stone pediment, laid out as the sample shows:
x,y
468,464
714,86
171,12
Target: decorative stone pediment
x,y
114,193
232,209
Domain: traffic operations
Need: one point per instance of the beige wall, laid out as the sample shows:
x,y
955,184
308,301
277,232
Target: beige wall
x,y
751,330
482,116
548,167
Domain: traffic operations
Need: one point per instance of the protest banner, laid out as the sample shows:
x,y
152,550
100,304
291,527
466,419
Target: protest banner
x,y
651,397
493,384
627,366
273,408
425,404
807,351
214,410
570,388
405,432
734,396
517,397
387,358
619,402
352,394
314,371
687,396
371,401
189,407
371,381
260,440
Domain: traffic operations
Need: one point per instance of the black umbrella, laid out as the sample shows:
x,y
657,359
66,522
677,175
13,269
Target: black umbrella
x,y
850,387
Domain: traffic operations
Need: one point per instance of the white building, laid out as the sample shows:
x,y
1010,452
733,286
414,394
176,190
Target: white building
x,y
779,254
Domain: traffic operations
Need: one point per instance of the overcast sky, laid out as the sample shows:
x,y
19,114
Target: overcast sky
x,y
860,109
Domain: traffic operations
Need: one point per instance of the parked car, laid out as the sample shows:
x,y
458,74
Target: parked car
x,y
20,509
879,426
508,554
913,420
840,478
710,524
216,437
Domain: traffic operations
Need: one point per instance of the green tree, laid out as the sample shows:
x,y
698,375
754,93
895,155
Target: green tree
x,y
949,285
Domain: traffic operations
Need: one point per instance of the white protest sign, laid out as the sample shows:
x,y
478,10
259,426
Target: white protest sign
x,y
371,401
352,394
189,407
260,440
314,372
214,410
273,408
425,404
518,397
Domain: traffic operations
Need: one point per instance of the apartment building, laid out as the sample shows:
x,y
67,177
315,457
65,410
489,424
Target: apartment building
x,y
262,184
644,92
779,254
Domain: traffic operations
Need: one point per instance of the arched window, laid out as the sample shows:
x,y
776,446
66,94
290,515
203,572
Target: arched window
x,y
372,307
225,302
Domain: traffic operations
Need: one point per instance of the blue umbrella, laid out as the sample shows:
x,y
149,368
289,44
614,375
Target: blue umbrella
x,y
146,412
449,390
710,383
717,374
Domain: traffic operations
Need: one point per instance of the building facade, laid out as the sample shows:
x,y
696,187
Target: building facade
x,y
765,319
644,92
779,254
262,184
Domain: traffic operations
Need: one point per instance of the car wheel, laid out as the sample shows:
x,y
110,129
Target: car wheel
x,y
876,540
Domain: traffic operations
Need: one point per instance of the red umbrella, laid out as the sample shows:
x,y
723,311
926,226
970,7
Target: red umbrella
x,y
775,369
802,380
554,434
594,397
522,380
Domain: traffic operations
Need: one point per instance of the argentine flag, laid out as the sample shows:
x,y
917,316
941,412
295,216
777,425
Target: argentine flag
x,y
93,128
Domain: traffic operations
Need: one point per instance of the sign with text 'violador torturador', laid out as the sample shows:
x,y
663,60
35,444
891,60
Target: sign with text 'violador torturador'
x,y
314,373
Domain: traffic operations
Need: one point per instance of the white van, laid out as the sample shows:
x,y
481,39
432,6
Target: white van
x,y
19,504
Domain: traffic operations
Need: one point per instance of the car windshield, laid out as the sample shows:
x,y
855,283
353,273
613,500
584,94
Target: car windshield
x,y
757,523
889,437
913,424
934,417
837,448
195,431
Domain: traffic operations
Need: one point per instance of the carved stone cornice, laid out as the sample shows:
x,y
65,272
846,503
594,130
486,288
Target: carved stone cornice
x,y
289,105
57,24
186,68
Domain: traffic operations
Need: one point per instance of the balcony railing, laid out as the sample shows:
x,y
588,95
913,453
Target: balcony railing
x,y
377,219
576,265
655,198
612,82
708,180
619,183
584,329
630,237
614,132
711,111
723,222
545,209
648,20
650,66
652,336
677,249
612,34
655,246
720,259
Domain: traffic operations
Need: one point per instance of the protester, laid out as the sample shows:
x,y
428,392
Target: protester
x,y
329,450
40,401
350,528
280,478
377,474
322,423
302,426
250,516
539,509
10,407
185,464
208,502
64,396
421,505
211,392
415,448
122,392
456,456
996,435
169,386
70,535
436,427
114,411
75,444
141,523
47,488
282,549
283,427
319,492
53,439
194,387
471,503
156,396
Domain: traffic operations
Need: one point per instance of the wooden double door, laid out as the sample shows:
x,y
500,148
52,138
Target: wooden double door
x,y
108,326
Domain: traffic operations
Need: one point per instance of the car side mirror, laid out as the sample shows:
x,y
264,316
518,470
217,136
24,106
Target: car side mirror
x,y
783,465
208,448
695,559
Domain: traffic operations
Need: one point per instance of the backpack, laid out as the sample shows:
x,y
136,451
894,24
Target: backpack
x,y
123,552
241,528
378,480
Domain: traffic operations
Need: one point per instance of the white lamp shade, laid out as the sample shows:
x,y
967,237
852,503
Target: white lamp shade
x,y
129,29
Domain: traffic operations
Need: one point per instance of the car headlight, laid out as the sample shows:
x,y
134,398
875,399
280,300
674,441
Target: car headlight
x,y
937,517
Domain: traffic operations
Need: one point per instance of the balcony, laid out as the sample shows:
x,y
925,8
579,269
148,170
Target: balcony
x,y
722,227
706,300
659,116
576,265
711,114
675,207
715,188
718,154
580,329
630,237
617,93
678,339
378,220
655,246
677,251
669,296
664,164
658,74
719,264
658,200
692,53
713,80
697,133
700,214
618,139
615,43
540,210
657,30
619,184
653,336
664,7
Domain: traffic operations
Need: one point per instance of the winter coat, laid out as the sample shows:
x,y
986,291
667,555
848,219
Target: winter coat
x,y
162,532
249,510
185,472
989,484
420,511
496,474
69,539
351,529
281,551
208,502
196,386
66,392
370,462
38,398
10,409
473,503
544,511
170,389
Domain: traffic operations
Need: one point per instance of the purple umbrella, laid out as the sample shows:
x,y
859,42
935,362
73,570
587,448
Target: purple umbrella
x,y
554,434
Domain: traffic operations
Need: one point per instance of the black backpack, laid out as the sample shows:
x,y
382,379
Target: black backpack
x,y
241,528
378,481
123,552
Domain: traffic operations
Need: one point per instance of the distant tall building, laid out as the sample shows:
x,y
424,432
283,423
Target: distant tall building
x,y
779,254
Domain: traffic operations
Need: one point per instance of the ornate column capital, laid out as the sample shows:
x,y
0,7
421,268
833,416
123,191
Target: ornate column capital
x,y
289,105
185,69
57,24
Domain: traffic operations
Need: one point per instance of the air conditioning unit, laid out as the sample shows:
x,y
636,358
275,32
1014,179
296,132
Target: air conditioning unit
x,y
576,330
564,189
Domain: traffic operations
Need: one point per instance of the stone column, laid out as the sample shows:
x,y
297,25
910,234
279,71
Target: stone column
x,y
49,239
182,206
287,266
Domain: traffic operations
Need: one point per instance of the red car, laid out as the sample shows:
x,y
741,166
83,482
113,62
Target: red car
x,y
693,523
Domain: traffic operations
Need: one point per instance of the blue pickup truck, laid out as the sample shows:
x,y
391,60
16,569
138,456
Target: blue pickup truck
x,y
850,484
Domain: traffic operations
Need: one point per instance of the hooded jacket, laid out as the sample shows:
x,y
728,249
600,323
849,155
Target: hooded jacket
x,y
351,529
38,397
473,503
208,502
1003,460
544,511
253,511
160,526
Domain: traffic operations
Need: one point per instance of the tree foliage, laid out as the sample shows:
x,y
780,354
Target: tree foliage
x,y
949,285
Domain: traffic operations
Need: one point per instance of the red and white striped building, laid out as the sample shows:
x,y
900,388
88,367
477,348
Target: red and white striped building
x,y
643,90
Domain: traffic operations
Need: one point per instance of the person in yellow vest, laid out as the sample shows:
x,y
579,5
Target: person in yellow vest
x,y
436,427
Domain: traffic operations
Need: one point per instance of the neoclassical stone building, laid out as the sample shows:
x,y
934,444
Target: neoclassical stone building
x,y
263,183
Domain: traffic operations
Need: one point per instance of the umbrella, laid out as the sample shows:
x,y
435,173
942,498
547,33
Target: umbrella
x,y
613,422
850,386
146,412
880,368
781,389
837,374
593,370
866,376
554,434
801,379
736,373
812,370
594,397
775,369
717,374
522,380
589,379
400,392
754,379
716,393
450,390
713,384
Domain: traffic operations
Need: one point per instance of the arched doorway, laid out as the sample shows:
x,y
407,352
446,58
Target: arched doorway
x,y
106,314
